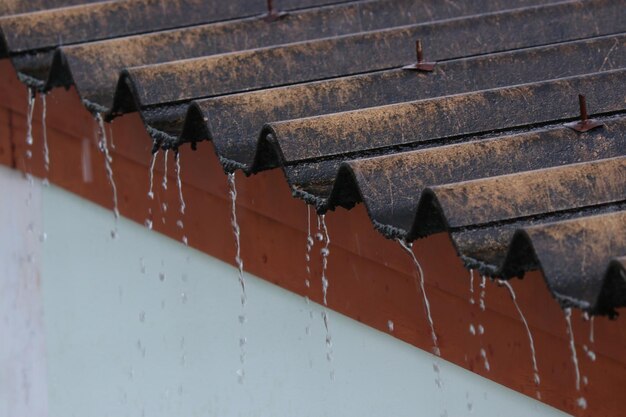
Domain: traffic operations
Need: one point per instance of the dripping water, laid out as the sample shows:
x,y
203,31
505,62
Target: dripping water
x,y
483,354
29,117
581,401
329,342
237,234
536,377
482,306
152,163
310,242
471,300
164,183
108,160
179,184
588,349
325,251
44,130
148,222
29,142
481,298
407,246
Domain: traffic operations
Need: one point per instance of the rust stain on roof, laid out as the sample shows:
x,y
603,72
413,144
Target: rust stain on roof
x,y
477,148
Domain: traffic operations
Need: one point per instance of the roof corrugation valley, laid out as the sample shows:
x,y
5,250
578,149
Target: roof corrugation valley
x,y
477,148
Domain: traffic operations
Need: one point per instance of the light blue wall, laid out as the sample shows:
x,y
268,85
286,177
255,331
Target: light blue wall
x,y
101,313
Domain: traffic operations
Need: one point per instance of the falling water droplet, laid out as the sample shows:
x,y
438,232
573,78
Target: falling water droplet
x,y
180,184
240,375
483,354
142,316
161,276
164,183
242,283
29,116
148,224
329,342
408,248
533,353
310,242
325,251
183,297
44,130
471,299
481,300
142,266
472,330
152,163
108,160
582,403
179,224
572,345
481,329
43,237
237,235
390,325
590,353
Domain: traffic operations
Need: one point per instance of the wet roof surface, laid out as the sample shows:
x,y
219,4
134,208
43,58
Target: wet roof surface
x,y
477,147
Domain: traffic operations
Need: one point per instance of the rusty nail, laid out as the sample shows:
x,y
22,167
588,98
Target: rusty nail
x,y
585,123
272,14
420,65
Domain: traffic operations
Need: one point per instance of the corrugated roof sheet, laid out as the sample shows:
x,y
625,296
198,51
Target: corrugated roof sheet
x,y
477,148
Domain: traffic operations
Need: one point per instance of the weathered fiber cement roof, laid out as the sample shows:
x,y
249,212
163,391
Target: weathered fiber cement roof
x,y
477,147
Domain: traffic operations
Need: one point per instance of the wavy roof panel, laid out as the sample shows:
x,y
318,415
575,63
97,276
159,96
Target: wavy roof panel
x,y
477,148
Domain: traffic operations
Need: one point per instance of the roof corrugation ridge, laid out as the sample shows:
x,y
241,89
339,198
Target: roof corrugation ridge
x,y
315,169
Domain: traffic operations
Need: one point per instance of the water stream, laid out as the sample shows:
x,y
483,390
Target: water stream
x,y
533,353
44,133
181,199
164,183
580,401
28,154
237,234
310,242
471,299
149,222
479,329
325,252
29,116
108,160
408,247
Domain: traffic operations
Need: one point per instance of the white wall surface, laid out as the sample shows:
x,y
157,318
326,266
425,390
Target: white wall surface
x,y
121,341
